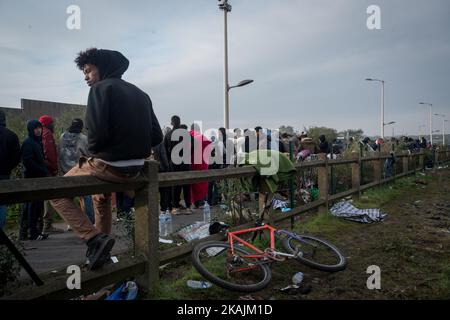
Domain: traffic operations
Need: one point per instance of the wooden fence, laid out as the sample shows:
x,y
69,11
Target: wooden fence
x,y
147,258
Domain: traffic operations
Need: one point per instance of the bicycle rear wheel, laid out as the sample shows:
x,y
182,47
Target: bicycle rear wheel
x,y
213,260
315,252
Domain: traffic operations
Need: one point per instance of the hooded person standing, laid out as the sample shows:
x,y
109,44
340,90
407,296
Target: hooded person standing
x,y
35,167
49,144
51,160
122,129
72,146
324,146
9,157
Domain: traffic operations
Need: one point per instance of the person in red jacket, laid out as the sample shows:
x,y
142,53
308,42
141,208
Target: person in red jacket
x,y
51,161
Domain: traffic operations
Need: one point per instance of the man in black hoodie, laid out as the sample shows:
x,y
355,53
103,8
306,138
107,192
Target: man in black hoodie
x,y
170,144
35,167
9,157
122,129
324,147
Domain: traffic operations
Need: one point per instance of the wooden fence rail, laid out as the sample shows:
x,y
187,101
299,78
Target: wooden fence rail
x,y
147,257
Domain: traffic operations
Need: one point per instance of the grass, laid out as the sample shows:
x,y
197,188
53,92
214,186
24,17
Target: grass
x,y
173,284
444,281
321,222
378,196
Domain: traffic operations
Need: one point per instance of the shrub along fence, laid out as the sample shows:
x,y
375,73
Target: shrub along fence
x,y
144,262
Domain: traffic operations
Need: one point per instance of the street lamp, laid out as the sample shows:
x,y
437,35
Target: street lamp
x,y
382,104
388,124
431,124
443,126
241,84
226,7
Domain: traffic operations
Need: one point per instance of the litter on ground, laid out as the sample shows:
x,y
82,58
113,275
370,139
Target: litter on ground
x,y
346,210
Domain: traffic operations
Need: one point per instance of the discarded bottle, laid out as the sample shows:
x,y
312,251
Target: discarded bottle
x,y
198,284
132,290
169,227
162,225
297,278
206,213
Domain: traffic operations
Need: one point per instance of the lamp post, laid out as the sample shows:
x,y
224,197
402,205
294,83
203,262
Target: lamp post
x,y
431,124
443,126
382,104
226,7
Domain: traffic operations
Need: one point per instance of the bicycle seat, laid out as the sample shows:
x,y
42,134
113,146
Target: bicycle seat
x,y
217,227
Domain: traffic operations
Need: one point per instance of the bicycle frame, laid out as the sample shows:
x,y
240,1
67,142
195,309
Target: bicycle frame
x,y
233,237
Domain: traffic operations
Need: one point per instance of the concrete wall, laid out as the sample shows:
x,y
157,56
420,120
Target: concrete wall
x,y
33,109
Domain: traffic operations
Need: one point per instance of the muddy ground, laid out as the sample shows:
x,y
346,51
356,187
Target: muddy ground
x,y
411,247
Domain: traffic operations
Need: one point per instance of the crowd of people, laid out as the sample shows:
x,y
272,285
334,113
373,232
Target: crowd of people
x,y
41,157
122,132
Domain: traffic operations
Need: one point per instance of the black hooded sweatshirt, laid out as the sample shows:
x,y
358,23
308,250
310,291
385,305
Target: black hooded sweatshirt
x,y
33,153
323,145
9,148
120,121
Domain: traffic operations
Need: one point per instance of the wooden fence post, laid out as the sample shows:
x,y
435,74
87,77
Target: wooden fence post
x,y
421,159
356,177
147,229
405,161
323,182
377,171
436,158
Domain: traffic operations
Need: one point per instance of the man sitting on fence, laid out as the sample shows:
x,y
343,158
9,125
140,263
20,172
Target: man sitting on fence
x,y
122,129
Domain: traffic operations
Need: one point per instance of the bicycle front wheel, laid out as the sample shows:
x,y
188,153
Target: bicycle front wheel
x,y
315,252
214,261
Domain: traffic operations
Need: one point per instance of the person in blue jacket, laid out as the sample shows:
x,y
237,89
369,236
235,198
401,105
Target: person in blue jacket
x,y
35,167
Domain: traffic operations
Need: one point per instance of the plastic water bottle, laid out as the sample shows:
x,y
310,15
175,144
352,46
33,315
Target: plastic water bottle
x,y
162,225
168,223
297,278
198,284
206,213
132,290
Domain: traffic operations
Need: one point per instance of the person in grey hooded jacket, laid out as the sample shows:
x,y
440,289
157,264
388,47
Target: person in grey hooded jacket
x,y
72,145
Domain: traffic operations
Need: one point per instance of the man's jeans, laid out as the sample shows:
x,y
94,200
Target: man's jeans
x,y
123,202
3,209
73,214
88,208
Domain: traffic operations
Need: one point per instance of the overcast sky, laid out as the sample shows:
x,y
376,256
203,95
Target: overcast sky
x,y
309,58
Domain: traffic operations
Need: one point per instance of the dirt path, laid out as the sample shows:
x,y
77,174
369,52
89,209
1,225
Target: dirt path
x,y
411,247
